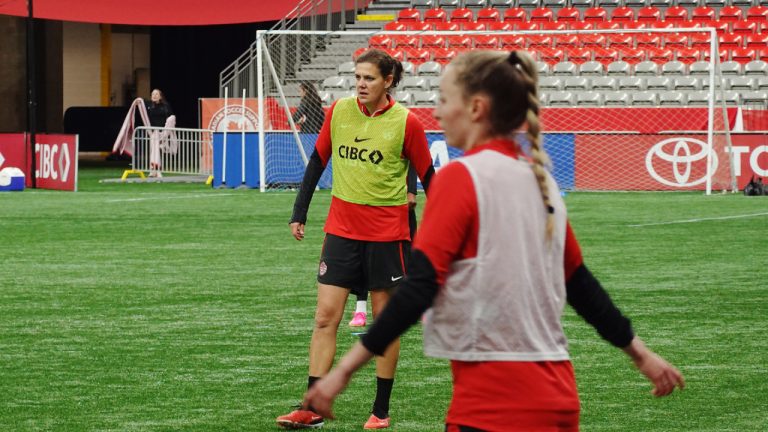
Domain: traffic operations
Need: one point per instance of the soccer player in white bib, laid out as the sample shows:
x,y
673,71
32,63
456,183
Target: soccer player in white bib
x,y
496,260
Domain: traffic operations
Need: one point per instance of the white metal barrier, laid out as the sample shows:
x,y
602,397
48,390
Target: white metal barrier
x,y
161,151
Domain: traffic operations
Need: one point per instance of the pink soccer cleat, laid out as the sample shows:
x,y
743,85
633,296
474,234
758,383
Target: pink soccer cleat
x,y
358,320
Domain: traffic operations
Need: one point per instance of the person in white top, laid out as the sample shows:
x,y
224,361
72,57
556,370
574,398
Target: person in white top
x,y
496,260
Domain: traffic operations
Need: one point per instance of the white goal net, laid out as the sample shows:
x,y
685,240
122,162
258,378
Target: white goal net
x,y
625,109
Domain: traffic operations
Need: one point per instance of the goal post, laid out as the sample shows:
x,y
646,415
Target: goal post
x,y
622,109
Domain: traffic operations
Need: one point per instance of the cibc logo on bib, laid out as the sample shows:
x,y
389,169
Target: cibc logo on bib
x,y
679,162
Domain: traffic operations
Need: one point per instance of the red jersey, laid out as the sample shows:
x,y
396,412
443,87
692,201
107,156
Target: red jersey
x,y
374,223
493,395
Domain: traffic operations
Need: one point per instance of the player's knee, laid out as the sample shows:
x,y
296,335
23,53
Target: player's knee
x,y
326,319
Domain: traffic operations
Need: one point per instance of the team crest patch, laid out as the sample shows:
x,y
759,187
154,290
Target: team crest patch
x,y
323,268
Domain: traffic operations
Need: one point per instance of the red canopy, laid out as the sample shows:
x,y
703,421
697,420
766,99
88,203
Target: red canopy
x,y
154,12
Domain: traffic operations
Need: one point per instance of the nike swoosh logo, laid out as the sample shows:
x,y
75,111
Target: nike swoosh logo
x,y
396,278
359,140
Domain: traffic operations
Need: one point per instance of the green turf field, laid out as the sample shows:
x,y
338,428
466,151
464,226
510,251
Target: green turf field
x,y
148,307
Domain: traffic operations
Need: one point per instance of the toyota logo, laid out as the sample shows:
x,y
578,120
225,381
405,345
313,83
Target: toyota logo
x,y
686,152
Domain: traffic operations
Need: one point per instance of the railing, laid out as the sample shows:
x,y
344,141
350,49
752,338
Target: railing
x,y
307,15
172,151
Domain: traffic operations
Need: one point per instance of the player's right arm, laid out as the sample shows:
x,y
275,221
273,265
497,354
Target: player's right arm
x,y
315,167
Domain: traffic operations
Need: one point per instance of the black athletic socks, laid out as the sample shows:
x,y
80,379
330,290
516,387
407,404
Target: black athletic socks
x,y
383,392
310,382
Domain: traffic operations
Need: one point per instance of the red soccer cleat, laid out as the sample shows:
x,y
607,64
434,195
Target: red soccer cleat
x,y
376,423
300,419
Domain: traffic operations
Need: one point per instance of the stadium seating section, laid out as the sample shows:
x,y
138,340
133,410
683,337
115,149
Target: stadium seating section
x,y
585,69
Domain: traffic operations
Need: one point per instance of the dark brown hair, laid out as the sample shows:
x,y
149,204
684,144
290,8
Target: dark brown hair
x,y
387,64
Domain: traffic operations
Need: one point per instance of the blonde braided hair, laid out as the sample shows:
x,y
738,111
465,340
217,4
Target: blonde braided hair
x,y
511,83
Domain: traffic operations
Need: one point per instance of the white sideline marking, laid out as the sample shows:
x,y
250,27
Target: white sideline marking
x,y
699,220
169,197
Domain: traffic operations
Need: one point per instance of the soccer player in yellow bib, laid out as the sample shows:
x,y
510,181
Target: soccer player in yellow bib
x,y
372,140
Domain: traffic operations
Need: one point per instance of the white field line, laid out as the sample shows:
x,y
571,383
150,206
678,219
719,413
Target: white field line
x,y
699,220
170,197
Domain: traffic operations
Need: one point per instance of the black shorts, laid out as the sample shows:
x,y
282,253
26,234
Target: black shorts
x,y
356,264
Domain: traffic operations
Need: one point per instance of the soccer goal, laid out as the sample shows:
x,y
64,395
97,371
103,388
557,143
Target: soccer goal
x,y
622,109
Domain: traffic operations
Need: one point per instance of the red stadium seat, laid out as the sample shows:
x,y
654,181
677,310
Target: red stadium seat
x,y
757,41
579,55
676,40
473,26
724,54
405,41
620,40
660,55
568,14
488,15
758,14
688,55
648,40
358,52
631,55
648,14
443,55
566,41
592,40
581,25
435,15
537,42
607,25
703,14
380,42
486,41
676,14
551,56
731,41
730,14
687,24
606,55
459,41
744,28
395,26
419,26
396,54
527,26
515,15
432,42
700,41
447,26
542,14
743,55
661,24
634,25
409,15
720,26
462,15
595,14
553,25
417,56
763,54
512,42
623,14
500,26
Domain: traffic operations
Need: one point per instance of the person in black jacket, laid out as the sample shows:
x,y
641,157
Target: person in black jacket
x,y
310,114
158,109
